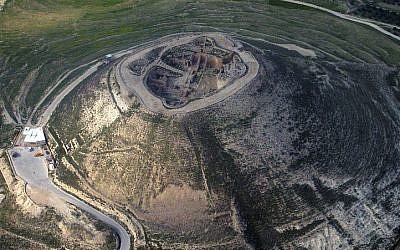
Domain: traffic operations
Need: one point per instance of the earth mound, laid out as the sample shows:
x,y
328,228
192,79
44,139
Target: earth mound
x,y
186,73
304,156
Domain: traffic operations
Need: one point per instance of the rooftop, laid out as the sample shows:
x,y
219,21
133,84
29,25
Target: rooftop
x,y
33,135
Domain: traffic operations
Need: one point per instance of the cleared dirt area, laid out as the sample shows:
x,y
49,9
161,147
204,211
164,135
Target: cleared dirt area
x,y
31,169
43,197
180,207
17,187
300,50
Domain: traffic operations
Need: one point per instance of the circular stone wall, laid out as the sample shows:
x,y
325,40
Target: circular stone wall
x,y
186,73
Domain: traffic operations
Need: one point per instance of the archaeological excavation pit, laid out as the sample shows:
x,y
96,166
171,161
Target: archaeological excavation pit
x,y
187,73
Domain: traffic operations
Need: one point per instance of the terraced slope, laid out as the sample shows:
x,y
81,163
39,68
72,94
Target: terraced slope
x,y
34,54
313,149
305,156
144,164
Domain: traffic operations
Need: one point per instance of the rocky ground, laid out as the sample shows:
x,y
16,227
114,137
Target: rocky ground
x,y
2,2
143,162
304,157
313,147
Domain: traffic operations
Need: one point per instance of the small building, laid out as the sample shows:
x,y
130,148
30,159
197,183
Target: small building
x,y
34,136
108,58
51,166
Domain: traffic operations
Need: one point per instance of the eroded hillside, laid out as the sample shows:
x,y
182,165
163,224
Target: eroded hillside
x,y
289,141
312,152
144,163
305,156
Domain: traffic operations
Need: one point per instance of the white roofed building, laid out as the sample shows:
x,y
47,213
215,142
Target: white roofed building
x,y
34,135
26,130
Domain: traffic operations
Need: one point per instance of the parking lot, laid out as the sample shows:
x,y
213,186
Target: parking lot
x,y
32,169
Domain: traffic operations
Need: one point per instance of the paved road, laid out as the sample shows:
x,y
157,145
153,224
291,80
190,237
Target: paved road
x,y
347,17
123,235
33,170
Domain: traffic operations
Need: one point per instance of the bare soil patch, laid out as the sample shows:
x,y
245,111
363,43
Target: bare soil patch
x,y
43,197
179,207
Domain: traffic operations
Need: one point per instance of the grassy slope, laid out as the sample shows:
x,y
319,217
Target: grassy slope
x,y
336,5
54,36
6,132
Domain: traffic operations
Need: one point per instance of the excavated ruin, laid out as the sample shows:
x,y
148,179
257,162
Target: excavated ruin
x,y
186,73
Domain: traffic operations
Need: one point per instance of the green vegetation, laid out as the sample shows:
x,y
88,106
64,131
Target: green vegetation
x,y
336,5
6,132
41,39
65,82
390,6
288,5
378,13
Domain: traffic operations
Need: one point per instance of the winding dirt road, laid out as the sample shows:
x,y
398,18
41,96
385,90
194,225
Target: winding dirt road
x,y
346,17
58,82
44,118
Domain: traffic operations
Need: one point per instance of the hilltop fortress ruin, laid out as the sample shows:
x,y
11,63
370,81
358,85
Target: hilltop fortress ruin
x,y
186,73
